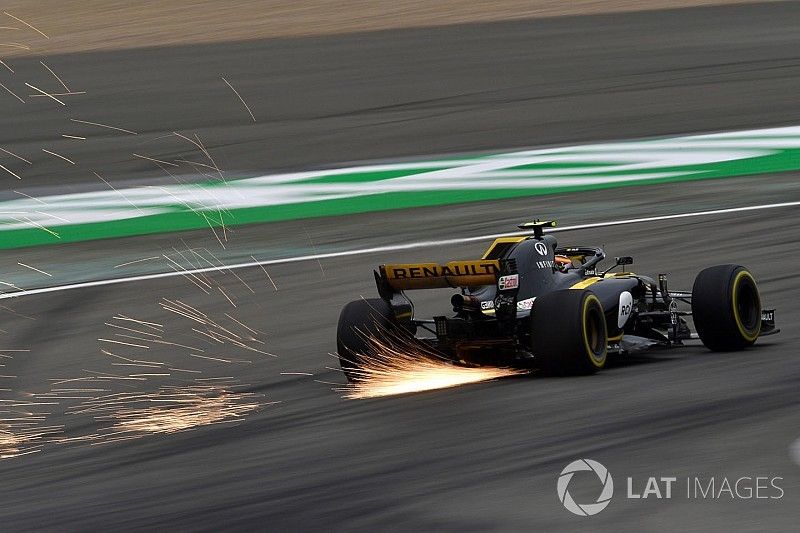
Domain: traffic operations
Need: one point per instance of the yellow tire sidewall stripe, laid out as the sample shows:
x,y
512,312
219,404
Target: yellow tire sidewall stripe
x,y
736,318
598,363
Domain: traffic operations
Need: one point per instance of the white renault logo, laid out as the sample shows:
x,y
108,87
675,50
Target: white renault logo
x,y
541,248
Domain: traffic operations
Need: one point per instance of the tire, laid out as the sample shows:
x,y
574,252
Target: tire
x,y
726,308
357,321
568,332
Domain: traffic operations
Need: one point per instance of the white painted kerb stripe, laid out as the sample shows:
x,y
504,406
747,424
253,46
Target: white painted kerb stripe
x,y
388,248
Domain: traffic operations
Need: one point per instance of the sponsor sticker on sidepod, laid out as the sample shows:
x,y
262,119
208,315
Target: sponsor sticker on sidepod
x,y
625,308
508,282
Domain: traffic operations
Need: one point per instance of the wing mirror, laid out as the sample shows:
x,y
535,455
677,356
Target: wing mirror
x,y
619,261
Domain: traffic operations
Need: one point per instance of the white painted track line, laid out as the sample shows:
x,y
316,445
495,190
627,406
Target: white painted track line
x,y
388,248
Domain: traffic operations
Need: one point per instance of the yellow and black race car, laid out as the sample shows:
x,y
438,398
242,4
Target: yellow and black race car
x,y
530,303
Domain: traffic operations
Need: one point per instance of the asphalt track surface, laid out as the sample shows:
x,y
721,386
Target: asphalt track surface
x,y
480,457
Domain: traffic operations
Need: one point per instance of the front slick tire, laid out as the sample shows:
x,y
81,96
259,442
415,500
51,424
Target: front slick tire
x,y
568,332
726,308
359,320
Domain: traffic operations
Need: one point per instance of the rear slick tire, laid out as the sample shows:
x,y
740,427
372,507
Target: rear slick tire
x,y
358,320
568,333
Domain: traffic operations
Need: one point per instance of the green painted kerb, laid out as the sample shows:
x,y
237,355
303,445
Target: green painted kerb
x,y
106,214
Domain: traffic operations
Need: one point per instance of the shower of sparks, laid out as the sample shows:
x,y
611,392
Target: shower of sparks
x,y
71,93
34,268
101,178
7,284
135,396
225,294
30,222
170,409
70,161
198,143
155,160
314,249
193,278
137,261
98,124
23,434
151,325
22,429
265,272
10,172
12,154
51,215
125,343
15,313
45,93
402,366
16,45
210,225
56,76
215,331
240,99
12,93
34,28
219,264
3,63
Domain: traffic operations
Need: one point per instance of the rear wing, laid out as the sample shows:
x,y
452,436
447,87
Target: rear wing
x,y
409,276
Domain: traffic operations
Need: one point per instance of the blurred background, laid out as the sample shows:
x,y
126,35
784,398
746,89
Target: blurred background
x,y
191,191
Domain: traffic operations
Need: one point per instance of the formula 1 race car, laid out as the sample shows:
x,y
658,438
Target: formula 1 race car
x,y
529,303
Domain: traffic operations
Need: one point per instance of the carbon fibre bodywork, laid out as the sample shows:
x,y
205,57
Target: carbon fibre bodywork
x,y
491,323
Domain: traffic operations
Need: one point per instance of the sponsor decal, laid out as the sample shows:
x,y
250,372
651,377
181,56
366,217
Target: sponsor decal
x,y
433,270
541,248
522,305
545,264
625,308
508,282
525,305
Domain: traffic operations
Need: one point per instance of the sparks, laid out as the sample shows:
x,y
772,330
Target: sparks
x,y
12,93
31,26
403,367
10,172
170,409
34,268
56,76
70,161
155,160
240,99
98,124
45,93
12,154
